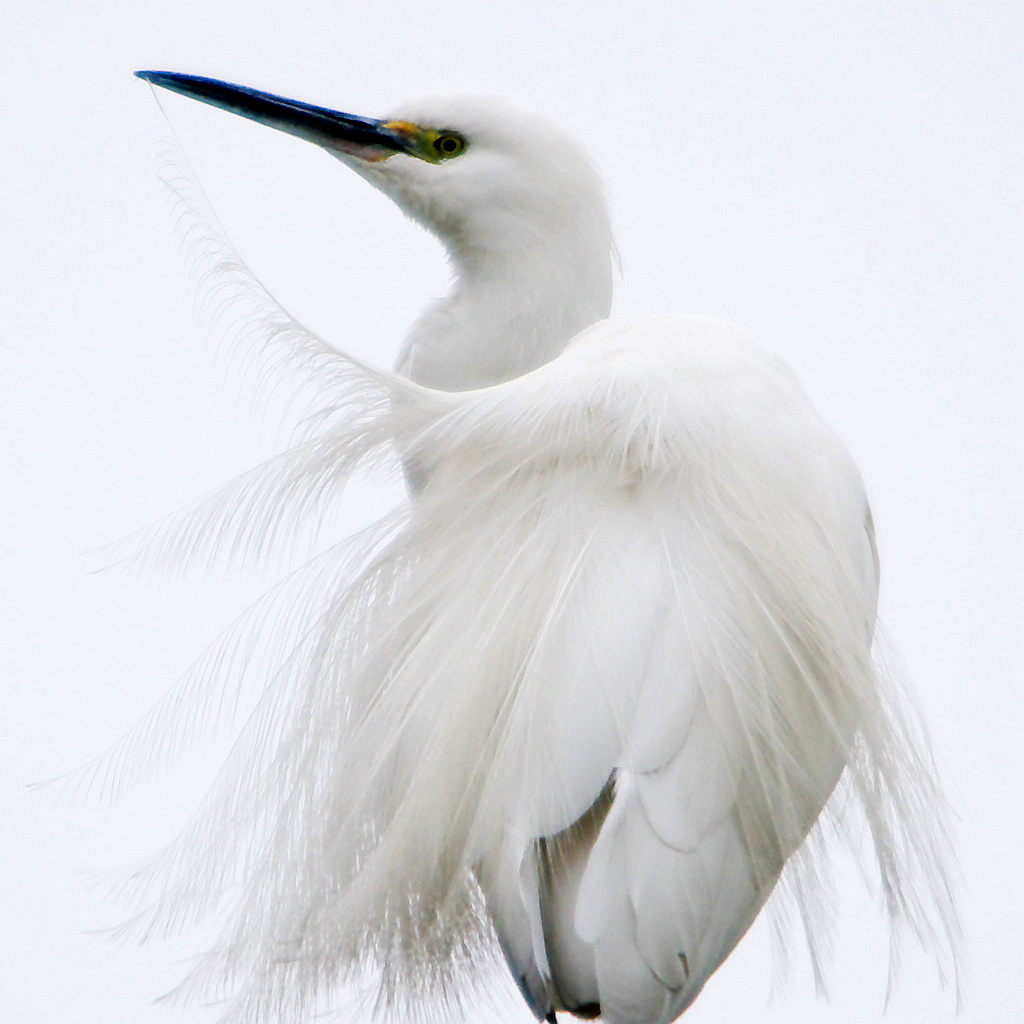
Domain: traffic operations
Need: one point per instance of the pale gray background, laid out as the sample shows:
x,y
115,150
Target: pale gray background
x,y
843,179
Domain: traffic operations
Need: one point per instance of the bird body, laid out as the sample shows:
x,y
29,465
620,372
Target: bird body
x,y
578,703
694,487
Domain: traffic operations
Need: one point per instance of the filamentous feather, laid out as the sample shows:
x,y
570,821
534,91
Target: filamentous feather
x,y
629,612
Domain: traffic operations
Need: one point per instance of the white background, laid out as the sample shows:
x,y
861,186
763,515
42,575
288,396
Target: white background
x,y
842,179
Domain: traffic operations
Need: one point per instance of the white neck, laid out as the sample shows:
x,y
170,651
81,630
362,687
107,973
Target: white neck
x,y
512,308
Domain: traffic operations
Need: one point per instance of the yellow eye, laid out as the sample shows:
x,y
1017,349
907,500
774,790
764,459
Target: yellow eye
x,y
447,145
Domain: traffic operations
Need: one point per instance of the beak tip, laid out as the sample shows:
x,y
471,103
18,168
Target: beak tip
x,y
164,79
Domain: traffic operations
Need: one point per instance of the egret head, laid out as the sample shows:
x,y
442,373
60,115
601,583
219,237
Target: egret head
x,y
482,176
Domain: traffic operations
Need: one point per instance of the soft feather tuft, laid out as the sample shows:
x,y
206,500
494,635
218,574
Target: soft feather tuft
x,y
423,680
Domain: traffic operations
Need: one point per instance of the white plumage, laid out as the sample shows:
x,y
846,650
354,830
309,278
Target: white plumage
x,y
585,693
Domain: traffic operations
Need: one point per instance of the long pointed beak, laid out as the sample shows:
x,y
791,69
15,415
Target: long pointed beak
x,y
363,137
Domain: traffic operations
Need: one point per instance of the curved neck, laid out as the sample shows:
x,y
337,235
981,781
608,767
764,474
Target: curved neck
x,y
510,310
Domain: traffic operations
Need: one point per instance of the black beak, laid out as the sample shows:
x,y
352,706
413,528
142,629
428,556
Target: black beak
x,y
359,136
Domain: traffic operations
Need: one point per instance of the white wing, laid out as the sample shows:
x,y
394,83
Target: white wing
x,y
681,680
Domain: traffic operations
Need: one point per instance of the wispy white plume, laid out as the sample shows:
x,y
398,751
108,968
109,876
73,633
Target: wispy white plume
x,y
598,561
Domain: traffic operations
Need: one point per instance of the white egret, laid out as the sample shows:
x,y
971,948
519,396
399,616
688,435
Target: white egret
x,y
583,697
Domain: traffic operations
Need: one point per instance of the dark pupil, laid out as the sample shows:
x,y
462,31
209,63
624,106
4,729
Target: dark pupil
x,y
448,144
